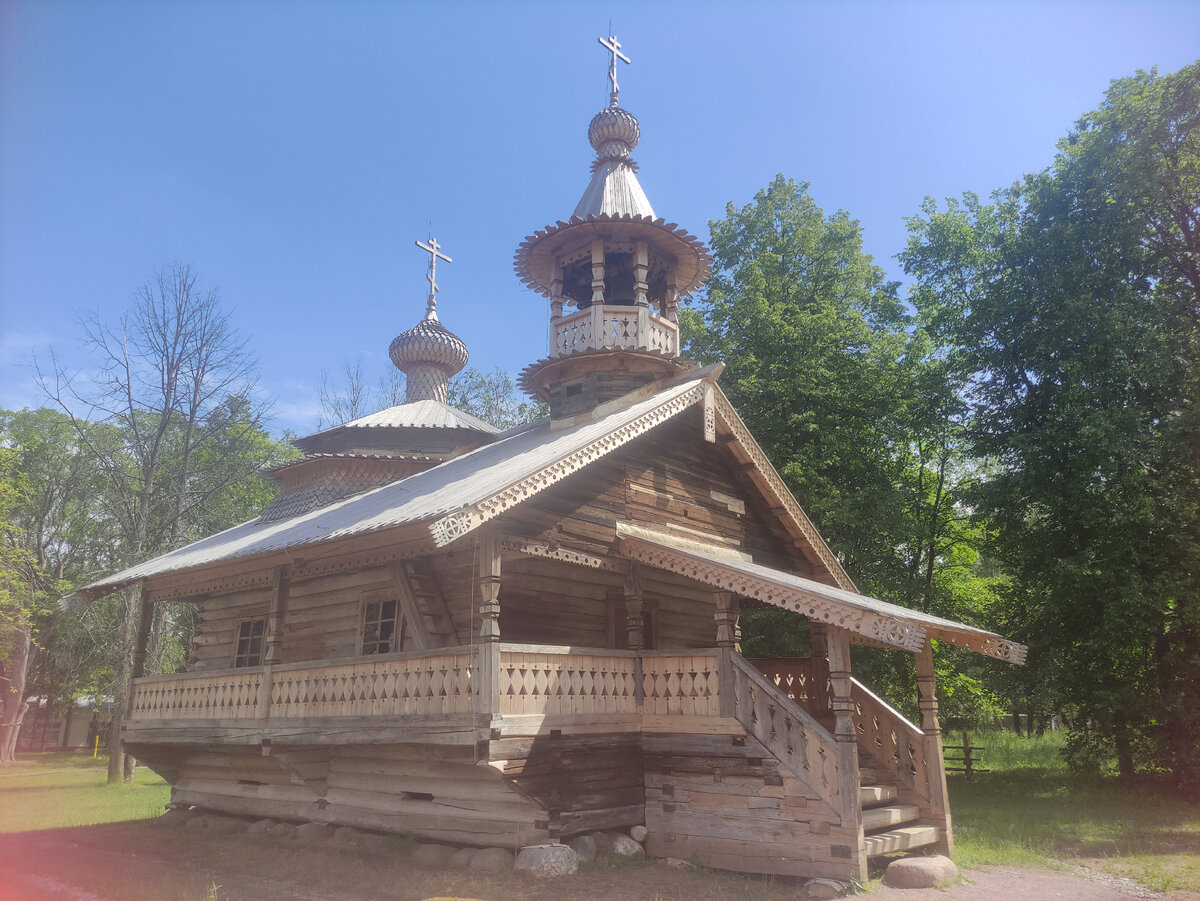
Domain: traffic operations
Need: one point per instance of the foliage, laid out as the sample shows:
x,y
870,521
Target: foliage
x,y
855,406
492,397
1071,305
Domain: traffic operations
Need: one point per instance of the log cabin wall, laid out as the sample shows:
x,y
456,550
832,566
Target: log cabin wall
x,y
324,615
217,621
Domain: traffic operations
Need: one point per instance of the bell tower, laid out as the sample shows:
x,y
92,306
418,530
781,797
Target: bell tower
x,y
614,274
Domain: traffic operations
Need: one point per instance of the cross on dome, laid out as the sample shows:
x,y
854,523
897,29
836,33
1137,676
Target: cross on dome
x,y
433,248
614,47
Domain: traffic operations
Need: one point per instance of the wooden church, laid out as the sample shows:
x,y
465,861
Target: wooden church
x,y
512,638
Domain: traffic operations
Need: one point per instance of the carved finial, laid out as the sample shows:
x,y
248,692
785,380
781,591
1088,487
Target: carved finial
x,y
614,47
435,253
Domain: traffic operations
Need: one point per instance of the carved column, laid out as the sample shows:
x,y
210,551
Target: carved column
x,y
641,274
634,620
489,622
819,690
935,767
837,641
276,614
726,618
597,272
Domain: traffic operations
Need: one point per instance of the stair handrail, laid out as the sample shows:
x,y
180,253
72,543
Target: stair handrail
x,y
906,753
787,730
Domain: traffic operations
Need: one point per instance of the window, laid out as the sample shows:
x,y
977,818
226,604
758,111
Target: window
x,y
250,643
381,633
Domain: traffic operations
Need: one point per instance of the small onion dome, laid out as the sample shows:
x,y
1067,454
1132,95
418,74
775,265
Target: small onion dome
x,y
613,133
429,342
428,354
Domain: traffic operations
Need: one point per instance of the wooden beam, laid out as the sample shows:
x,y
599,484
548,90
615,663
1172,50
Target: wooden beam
x,y
488,555
410,609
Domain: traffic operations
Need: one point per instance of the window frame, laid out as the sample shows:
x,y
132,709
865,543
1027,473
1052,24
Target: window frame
x,y
394,641
255,647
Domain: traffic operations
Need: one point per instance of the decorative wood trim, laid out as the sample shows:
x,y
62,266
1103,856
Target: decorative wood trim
x,y
190,589
455,525
783,504
550,551
887,629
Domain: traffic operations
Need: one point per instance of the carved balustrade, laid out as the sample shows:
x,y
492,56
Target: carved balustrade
x,y
540,679
788,731
607,327
227,695
890,739
676,683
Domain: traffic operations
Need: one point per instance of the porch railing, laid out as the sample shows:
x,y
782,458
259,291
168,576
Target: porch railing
x,y
609,326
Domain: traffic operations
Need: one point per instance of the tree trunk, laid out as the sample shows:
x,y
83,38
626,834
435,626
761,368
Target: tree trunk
x,y
118,770
13,708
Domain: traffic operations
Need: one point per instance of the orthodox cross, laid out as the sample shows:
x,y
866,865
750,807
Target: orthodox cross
x,y
614,47
434,249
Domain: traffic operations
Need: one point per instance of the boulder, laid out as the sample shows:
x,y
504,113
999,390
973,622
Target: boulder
x,y
492,860
585,847
604,844
824,889
921,872
430,854
462,857
313,833
624,846
676,864
284,830
639,833
373,841
347,836
175,817
541,861
220,825
261,827
199,821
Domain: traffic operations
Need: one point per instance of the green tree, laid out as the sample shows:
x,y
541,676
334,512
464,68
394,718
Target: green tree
x,y
1071,303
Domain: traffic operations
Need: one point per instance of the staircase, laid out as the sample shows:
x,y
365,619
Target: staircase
x,y
889,827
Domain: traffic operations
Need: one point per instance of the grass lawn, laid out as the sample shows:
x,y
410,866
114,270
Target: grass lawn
x,y
1028,811
46,790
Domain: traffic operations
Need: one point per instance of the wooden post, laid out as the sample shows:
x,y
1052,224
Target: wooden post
x,y
597,273
634,620
935,765
726,617
276,614
489,625
837,642
819,690
641,272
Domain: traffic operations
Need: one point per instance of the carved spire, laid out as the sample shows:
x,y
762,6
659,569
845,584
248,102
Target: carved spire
x,y
428,353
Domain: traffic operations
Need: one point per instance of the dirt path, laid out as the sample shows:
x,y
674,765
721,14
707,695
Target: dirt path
x,y
150,862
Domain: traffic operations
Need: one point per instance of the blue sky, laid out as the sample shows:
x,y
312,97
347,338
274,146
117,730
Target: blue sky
x,y
292,152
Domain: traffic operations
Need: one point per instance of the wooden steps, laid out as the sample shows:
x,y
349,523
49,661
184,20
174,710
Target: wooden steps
x,y
889,827
902,839
874,795
876,818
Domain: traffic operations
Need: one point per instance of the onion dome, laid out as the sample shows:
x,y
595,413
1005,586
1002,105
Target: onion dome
x,y
613,134
428,353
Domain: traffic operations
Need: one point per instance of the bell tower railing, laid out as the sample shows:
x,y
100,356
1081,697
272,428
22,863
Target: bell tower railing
x,y
613,327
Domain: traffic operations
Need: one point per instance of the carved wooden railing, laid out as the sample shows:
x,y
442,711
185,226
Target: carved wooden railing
x,y
603,326
228,695
788,731
890,739
678,683
540,679
794,677
421,683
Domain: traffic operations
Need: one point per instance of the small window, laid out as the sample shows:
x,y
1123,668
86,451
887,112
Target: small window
x,y
250,643
381,630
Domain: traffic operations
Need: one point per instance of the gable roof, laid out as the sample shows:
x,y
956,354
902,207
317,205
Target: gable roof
x,y
888,623
453,498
